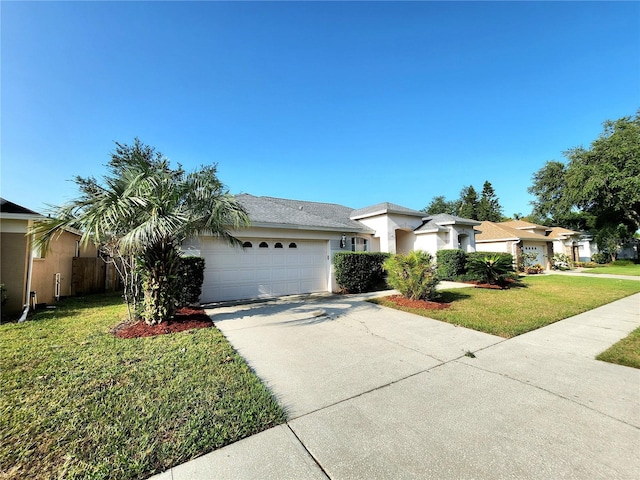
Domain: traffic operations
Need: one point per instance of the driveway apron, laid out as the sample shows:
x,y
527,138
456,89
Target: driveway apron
x,y
372,392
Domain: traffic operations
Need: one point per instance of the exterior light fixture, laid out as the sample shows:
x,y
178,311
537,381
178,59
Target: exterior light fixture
x,y
343,240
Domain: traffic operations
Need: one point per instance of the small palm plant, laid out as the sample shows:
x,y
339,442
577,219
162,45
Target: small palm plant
x,y
491,269
413,275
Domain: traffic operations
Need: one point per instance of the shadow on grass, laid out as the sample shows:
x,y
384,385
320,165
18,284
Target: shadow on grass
x,y
70,306
450,296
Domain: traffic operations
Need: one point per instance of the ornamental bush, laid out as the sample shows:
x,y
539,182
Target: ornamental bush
x,y
492,268
413,275
451,264
600,258
358,272
189,281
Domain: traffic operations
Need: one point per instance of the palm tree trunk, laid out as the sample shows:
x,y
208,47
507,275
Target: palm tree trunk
x,y
160,264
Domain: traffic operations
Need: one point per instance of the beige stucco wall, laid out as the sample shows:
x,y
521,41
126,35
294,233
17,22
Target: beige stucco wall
x,y
14,250
58,259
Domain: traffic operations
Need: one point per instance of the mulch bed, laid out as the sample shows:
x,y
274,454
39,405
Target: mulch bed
x,y
185,319
418,304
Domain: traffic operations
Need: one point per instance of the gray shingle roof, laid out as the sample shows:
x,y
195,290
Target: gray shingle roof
x,y
384,207
445,218
298,213
433,223
9,207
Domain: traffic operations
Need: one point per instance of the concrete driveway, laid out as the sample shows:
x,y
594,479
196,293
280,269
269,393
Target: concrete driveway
x,y
376,393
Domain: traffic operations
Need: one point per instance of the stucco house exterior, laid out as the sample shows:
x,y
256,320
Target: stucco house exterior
x,y
25,268
516,237
567,242
289,246
15,254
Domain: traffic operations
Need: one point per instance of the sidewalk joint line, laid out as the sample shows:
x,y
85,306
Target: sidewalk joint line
x,y
309,452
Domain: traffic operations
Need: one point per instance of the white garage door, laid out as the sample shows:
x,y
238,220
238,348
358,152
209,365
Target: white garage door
x,y
536,250
264,268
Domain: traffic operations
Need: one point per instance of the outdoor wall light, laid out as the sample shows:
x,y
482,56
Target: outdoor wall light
x,y
343,240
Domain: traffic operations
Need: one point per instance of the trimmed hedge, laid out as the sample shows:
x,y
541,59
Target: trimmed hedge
x,y
451,264
189,281
358,272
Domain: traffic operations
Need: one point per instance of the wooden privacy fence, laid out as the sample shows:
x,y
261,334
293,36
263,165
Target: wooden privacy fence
x,y
92,275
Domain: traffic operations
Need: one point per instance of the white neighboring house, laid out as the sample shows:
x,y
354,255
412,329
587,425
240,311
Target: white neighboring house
x,y
289,246
516,237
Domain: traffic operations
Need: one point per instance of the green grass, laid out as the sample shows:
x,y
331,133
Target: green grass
x,y
625,352
78,402
540,301
633,270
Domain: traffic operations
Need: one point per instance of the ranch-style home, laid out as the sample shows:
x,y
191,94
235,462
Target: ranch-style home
x,y
31,275
516,237
289,246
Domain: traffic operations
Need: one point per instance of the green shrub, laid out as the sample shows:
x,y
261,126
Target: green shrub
x,y
413,275
600,258
190,279
451,263
358,272
492,268
623,263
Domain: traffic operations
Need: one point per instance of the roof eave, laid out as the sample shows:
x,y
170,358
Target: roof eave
x,y
290,226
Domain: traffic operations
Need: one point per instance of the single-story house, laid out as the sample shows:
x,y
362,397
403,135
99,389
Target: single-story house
x,y
289,246
567,242
516,237
24,268
16,255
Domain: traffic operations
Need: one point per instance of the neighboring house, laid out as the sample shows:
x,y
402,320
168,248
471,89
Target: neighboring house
x,y
289,246
516,237
61,270
15,255
567,242
31,276
586,247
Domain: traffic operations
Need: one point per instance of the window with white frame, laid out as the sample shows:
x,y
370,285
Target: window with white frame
x,y
359,244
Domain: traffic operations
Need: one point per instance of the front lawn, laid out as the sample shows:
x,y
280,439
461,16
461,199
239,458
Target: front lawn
x,y
540,301
78,402
625,352
633,270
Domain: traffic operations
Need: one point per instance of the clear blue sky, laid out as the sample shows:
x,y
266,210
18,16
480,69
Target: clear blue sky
x,y
351,103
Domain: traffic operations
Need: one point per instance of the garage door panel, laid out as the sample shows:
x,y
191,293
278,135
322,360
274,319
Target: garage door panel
x,y
233,273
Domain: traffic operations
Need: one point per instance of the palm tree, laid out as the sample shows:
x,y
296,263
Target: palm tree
x,y
141,213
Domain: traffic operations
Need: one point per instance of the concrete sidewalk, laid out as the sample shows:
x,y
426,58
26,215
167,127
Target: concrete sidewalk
x,y
377,393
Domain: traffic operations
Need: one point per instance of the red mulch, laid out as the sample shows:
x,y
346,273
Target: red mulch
x,y
420,304
185,319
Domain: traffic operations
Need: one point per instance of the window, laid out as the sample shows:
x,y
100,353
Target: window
x,y
264,245
247,245
293,245
359,244
277,245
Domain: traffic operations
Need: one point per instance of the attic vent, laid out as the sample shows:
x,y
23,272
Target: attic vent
x,y
300,207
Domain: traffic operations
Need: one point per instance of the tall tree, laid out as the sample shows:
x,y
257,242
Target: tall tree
x,y
489,207
602,182
142,211
440,204
468,207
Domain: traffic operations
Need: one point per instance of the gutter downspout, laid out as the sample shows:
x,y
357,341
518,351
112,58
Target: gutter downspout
x,y
25,312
